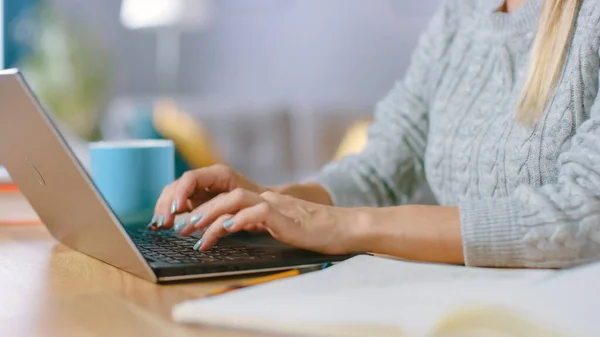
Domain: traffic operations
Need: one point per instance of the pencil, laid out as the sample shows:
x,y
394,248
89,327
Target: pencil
x,y
268,278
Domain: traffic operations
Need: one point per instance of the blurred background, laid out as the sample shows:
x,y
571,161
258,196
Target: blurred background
x,y
274,88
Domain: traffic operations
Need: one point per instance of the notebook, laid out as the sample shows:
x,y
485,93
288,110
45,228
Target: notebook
x,y
377,296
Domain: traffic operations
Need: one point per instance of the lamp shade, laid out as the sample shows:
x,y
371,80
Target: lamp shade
x,y
182,14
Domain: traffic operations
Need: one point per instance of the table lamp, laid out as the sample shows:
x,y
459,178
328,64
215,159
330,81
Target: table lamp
x,y
169,19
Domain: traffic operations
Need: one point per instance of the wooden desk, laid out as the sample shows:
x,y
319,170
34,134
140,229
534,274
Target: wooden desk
x,y
47,289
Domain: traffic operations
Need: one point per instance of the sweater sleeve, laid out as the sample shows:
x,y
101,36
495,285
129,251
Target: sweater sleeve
x,y
390,168
552,226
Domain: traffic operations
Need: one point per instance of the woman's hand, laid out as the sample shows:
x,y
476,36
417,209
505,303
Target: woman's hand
x,y
293,221
195,188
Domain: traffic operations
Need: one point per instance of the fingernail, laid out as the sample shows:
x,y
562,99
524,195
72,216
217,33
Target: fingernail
x,y
195,218
228,223
161,221
152,222
174,207
179,224
198,244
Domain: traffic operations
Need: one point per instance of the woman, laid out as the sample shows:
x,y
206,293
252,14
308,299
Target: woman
x,y
499,111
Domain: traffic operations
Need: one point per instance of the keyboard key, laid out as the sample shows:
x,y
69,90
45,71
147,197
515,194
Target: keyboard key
x,y
169,247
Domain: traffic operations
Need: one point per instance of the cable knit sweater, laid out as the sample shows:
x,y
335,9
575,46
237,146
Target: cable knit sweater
x,y
528,196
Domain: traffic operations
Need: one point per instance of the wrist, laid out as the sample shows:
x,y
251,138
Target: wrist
x,y
379,230
360,224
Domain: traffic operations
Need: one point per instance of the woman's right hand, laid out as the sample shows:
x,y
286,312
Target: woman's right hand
x,y
195,188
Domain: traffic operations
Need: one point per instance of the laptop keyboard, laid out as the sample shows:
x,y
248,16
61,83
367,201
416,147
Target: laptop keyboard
x,y
167,246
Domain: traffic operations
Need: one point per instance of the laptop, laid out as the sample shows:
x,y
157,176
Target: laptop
x,y
60,190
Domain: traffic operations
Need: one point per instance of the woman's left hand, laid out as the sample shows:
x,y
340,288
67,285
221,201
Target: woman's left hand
x,y
290,220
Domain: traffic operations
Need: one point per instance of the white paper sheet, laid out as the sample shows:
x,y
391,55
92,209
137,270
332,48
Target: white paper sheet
x,y
570,301
364,291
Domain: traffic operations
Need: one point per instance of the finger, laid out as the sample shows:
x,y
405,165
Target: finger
x,y
185,225
195,184
199,184
266,216
249,217
213,233
225,203
250,228
162,218
254,228
282,227
183,190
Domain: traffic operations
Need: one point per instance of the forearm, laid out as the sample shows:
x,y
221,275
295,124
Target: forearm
x,y
311,192
421,233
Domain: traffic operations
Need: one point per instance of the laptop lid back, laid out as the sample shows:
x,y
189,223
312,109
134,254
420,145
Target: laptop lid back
x,y
51,178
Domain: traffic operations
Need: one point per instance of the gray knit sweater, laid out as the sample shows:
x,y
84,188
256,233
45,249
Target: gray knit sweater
x,y
528,196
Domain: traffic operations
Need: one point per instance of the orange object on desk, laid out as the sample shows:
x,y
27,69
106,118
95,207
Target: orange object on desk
x,y
8,188
257,281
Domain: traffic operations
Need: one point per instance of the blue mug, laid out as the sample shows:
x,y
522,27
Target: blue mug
x,y
131,175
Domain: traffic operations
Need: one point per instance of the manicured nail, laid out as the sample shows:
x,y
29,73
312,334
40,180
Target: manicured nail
x,y
179,224
228,223
152,222
161,221
195,218
198,244
174,207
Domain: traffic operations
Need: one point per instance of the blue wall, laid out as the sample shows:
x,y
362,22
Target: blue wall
x,y
12,10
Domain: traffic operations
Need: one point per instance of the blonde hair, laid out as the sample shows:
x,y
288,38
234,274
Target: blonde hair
x,y
547,58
